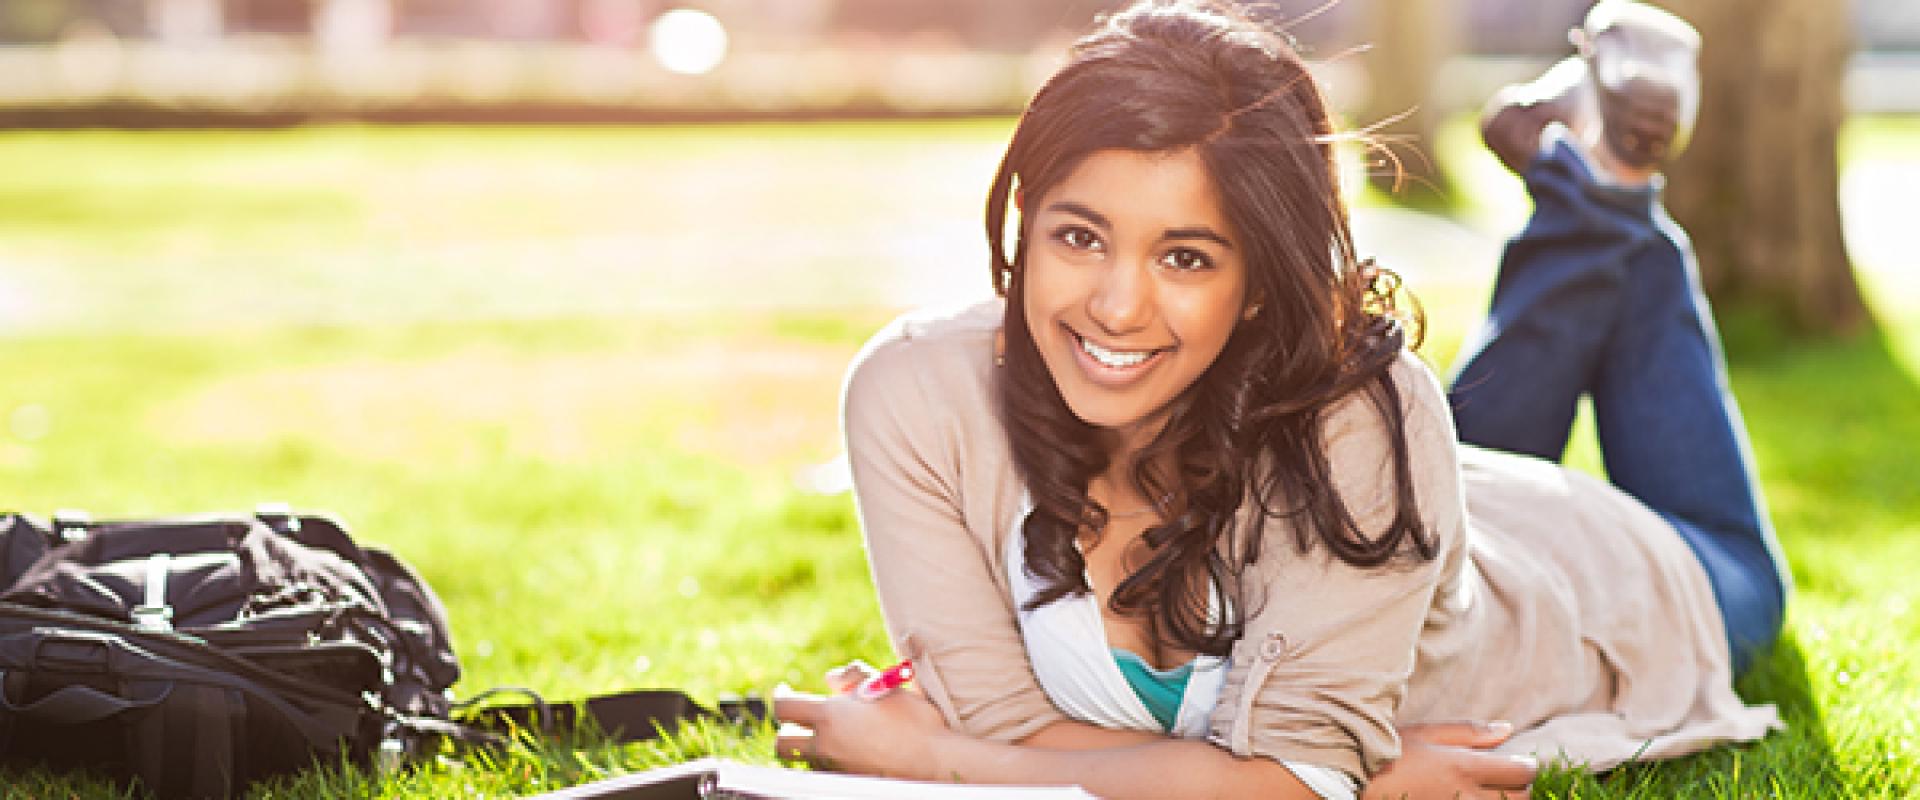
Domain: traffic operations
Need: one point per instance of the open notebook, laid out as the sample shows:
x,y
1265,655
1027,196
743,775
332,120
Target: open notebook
x,y
719,778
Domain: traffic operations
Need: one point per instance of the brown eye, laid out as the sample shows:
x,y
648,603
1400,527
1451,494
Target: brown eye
x,y
1186,259
1078,237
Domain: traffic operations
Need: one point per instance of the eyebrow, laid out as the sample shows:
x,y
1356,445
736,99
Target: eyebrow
x,y
1198,233
1076,209
1100,220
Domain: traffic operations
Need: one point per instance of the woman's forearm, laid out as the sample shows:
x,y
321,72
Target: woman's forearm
x,y
1075,735
902,735
1157,768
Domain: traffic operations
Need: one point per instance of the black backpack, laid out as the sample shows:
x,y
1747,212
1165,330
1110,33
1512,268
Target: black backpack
x,y
199,654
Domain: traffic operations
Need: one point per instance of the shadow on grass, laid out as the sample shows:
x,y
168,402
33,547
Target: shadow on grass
x,y
1833,424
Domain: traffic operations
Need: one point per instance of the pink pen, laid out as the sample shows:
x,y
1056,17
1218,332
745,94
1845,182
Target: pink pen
x,y
879,685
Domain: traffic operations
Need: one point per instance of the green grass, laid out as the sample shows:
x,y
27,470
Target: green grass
x,y
603,491
627,539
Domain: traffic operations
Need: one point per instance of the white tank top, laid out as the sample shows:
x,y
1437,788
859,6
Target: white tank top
x,y
1067,645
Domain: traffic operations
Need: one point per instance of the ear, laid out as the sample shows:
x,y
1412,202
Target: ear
x,y
1020,200
1255,301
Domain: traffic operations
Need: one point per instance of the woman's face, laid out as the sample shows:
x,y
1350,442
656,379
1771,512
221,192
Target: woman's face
x,y
1134,282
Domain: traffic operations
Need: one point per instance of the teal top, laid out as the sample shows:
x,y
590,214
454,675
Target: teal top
x,y
1159,690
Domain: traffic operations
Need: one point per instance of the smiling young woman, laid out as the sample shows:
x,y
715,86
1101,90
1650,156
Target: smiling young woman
x,y
1184,516
1134,286
1130,294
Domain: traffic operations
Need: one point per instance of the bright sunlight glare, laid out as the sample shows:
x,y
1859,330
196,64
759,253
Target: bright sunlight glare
x,y
688,42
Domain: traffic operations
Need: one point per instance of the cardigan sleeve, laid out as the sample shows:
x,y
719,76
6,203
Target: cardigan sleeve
x,y
1328,647
943,608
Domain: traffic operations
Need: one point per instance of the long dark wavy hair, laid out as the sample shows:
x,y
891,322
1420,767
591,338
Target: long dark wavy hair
x,y
1162,76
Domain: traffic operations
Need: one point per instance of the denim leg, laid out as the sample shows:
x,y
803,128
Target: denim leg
x,y
1599,294
1554,305
1671,435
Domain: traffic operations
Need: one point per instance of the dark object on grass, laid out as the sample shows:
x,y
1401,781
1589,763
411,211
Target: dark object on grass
x,y
633,716
197,655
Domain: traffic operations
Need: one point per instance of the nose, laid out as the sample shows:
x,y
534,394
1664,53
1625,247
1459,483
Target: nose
x,y
1122,301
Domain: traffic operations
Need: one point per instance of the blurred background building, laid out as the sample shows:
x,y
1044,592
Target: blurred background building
x,y
640,58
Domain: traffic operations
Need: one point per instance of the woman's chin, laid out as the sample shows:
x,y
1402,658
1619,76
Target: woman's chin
x,y
1106,414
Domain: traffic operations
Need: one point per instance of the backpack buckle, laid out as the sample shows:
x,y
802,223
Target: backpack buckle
x,y
155,615
157,619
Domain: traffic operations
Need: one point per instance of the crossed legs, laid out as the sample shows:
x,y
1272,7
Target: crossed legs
x,y
1599,295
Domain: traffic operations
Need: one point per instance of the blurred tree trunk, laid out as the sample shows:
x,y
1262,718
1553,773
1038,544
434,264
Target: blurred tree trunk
x,y
1759,188
1410,41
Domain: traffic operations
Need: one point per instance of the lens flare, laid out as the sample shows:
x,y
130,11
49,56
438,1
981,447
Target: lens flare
x,y
688,42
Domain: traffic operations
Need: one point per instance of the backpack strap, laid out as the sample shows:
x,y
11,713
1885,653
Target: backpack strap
x,y
448,729
632,716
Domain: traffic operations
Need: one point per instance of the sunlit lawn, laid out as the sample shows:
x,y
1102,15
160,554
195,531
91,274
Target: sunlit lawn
x,y
576,377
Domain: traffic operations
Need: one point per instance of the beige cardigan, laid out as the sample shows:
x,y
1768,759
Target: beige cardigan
x,y
1556,602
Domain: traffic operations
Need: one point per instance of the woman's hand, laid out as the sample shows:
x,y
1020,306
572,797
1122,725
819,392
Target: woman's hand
x,y
902,735
893,736
1451,759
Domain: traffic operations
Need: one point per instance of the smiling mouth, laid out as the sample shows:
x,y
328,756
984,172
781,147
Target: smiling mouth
x,y
1112,358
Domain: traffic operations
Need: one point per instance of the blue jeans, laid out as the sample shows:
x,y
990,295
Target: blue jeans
x,y
1600,295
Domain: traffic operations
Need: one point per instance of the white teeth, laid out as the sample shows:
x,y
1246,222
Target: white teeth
x,y
1114,358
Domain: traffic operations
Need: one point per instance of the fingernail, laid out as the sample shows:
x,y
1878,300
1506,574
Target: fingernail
x,y
1527,761
782,690
1499,727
